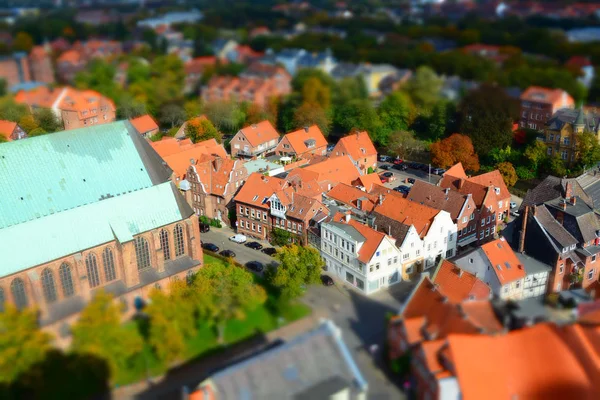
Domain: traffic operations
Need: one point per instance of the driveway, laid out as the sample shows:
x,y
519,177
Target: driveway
x,y
400,177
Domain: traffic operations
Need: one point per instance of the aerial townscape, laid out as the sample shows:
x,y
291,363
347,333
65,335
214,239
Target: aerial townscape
x,y
286,199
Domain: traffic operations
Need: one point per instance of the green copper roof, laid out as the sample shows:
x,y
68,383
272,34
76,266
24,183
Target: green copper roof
x,y
48,174
44,239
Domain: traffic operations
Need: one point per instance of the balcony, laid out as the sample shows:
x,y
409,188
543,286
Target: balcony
x,y
255,152
467,239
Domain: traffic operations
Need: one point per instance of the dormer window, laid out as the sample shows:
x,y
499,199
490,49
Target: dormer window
x,y
497,190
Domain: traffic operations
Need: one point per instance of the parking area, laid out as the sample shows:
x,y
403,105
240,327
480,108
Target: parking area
x,y
405,177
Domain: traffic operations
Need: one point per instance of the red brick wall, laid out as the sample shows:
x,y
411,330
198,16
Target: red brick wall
x,y
245,221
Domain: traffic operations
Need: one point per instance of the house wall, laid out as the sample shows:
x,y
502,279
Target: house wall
x,y
512,290
535,285
412,254
14,70
239,145
41,69
252,221
440,241
125,266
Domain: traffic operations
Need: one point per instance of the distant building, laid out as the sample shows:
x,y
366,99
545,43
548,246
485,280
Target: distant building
x,y
194,69
145,125
585,67
254,140
75,108
295,59
103,215
563,128
314,365
538,104
14,69
168,19
41,65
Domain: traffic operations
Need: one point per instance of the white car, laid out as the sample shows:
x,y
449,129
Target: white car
x,y
239,238
513,204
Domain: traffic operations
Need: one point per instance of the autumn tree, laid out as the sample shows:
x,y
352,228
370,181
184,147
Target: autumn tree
x,y
312,114
315,92
535,154
255,114
28,123
99,332
588,149
508,173
454,149
227,116
299,266
225,292
200,129
22,343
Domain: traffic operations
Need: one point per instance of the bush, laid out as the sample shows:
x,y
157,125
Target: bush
x,y
211,222
280,237
525,173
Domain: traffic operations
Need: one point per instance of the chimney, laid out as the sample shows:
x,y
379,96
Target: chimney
x,y
568,190
347,216
564,204
306,128
573,200
192,161
446,191
524,229
380,198
218,161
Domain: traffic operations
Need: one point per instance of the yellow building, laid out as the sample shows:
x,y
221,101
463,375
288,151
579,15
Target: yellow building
x,y
562,129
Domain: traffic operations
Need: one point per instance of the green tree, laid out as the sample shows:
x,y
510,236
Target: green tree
x,y
535,154
299,266
486,116
28,123
404,144
280,237
509,175
312,114
227,116
437,121
37,132
47,120
99,76
99,332
588,149
305,74
394,113
23,42
11,111
2,87
555,166
172,114
129,107
358,114
22,343
192,108
200,129
316,92
225,292
424,87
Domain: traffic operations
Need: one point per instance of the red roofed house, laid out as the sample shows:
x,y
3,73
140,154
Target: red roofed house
x,y
360,149
538,104
75,108
11,131
461,207
360,255
68,64
40,65
327,173
145,126
254,140
205,174
194,69
306,140
488,191
458,284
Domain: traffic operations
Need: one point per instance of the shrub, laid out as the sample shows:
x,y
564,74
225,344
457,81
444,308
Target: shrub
x,y
525,173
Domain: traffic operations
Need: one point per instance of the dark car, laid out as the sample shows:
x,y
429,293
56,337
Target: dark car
x,y
270,251
204,228
424,167
402,189
254,245
385,166
400,167
227,253
327,281
413,165
255,266
387,174
411,180
210,247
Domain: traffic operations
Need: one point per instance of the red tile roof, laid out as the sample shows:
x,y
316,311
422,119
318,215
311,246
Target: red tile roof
x,y
198,65
372,241
333,170
369,180
579,62
358,145
177,154
7,128
144,124
545,95
478,186
70,56
408,213
504,262
259,133
459,285
258,188
349,195
298,139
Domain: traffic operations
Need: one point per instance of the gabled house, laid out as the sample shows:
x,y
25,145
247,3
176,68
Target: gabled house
x,y
562,131
327,173
11,131
361,150
538,104
489,192
145,125
360,255
459,285
497,265
222,48
254,140
552,188
461,207
309,140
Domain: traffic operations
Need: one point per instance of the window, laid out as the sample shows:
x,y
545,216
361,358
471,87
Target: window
x,y
48,286
91,266
487,232
449,253
591,275
464,219
483,222
389,261
142,252
499,204
429,247
179,243
472,217
561,269
396,260
17,288
405,256
566,141
66,280
564,154
481,234
505,289
518,284
549,151
259,227
445,240
253,226
489,219
377,266
164,243
265,215
418,252
108,262
594,258
551,138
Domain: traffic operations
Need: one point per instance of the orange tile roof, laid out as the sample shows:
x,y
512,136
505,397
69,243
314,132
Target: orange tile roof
x,y
492,178
481,313
70,56
545,95
177,154
369,180
297,139
7,128
478,186
430,352
333,170
504,262
372,241
38,52
260,133
144,124
214,173
358,145
349,195
408,213
457,171
531,363
459,285
198,64
258,188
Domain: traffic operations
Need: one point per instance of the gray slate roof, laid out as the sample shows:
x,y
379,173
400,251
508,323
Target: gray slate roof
x,y
553,228
579,219
315,361
570,116
551,188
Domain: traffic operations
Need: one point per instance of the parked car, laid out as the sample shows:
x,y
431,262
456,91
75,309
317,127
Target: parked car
x,y
387,177
400,167
210,247
227,253
327,280
384,158
398,161
402,189
513,204
254,245
255,266
204,227
424,167
414,165
411,181
238,238
515,213
330,147
385,166
270,251
438,171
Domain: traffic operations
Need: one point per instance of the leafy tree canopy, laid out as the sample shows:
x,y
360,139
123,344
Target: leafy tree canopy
x,y
454,149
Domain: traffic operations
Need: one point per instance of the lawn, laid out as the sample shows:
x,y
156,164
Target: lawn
x,y
263,319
